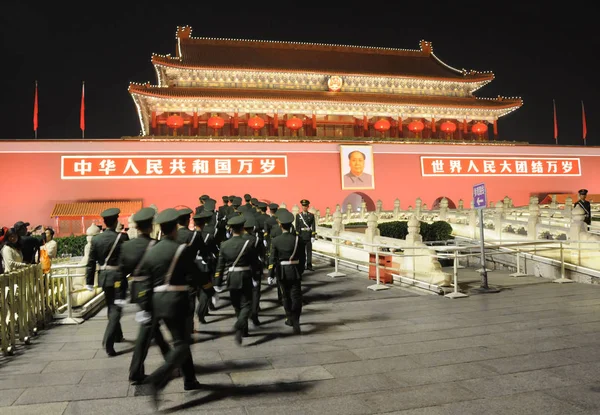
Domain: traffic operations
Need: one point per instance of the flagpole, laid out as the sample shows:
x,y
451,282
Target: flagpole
x,y
584,124
82,110
555,122
35,111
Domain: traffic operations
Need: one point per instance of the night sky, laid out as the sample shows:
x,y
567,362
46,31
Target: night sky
x,y
538,54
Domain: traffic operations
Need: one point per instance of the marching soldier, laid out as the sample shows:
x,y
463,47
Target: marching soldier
x,y
287,260
202,199
172,270
230,207
133,253
306,227
256,242
585,205
106,250
246,206
206,260
238,259
270,223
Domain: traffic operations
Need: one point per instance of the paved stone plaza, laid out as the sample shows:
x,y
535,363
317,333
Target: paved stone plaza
x,y
530,349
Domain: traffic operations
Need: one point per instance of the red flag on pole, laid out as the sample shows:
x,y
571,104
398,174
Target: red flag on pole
x,y
555,123
35,110
82,113
584,123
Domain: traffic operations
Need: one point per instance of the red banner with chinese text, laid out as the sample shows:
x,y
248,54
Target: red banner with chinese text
x,y
171,166
500,166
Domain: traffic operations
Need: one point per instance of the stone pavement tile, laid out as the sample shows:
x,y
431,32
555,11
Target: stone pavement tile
x,y
366,367
119,374
586,339
345,405
585,396
516,383
23,367
89,345
44,356
530,403
312,359
439,374
176,385
38,344
90,364
583,354
13,381
56,408
263,350
114,406
350,385
584,372
413,337
287,375
447,357
73,392
526,362
534,346
414,397
9,396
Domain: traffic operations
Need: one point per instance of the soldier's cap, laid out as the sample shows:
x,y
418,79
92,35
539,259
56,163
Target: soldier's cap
x,y
231,198
583,192
204,197
273,206
236,220
262,205
20,224
250,221
225,198
280,211
143,215
254,201
203,215
305,202
210,204
167,215
285,217
110,212
247,197
237,201
185,211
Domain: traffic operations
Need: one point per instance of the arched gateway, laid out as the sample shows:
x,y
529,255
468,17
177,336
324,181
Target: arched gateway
x,y
229,117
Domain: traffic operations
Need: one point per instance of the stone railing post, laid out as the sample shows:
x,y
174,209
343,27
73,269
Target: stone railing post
x,y
295,210
327,214
378,207
568,210
498,218
534,218
444,209
348,211
317,216
507,202
372,231
363,210
553,203
576,232
338,224
473,220
397,209
283,205
418,207
461,204
132,232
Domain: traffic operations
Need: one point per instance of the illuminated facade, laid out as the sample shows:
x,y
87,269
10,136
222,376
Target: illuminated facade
x,y
229,87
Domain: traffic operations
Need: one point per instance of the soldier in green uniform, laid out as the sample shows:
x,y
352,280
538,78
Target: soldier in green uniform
x,y
238,259
270,223
230,207
256,242
201,199
585,205
246,206
206,260
306,227
171,270
130,261
287,252
106,250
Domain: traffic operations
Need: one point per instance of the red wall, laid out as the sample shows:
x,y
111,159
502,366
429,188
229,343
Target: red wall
x,y
32,184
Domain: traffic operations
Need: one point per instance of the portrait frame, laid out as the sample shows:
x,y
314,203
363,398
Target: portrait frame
x,y
349,181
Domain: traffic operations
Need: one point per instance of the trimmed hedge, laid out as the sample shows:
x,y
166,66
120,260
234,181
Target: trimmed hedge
x,y
436,231
70,245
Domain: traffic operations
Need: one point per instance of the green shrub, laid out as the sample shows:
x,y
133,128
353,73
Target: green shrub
x,y
70,245
437,231
396,229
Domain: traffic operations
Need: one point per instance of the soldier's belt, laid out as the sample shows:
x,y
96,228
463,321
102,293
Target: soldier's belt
x,y
139,279
169,287
233,269
294,262
107,267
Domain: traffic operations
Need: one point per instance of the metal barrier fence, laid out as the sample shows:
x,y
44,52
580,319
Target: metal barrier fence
x,y
28,301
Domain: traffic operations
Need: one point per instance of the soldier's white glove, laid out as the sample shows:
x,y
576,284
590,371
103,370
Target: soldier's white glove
x,y
254,283
265,242
271,281
89,287
143,317
312,240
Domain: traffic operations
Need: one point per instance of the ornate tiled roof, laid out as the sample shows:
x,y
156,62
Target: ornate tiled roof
x,y
312,57
300,95
93,209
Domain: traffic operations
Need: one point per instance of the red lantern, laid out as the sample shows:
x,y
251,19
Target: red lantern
x,y
382,125
416,127
175,121
216,122
256,123
448,127
479,128
294,124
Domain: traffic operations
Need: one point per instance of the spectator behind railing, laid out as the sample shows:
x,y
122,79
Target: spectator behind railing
x,y
11,251
30,245
51,245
